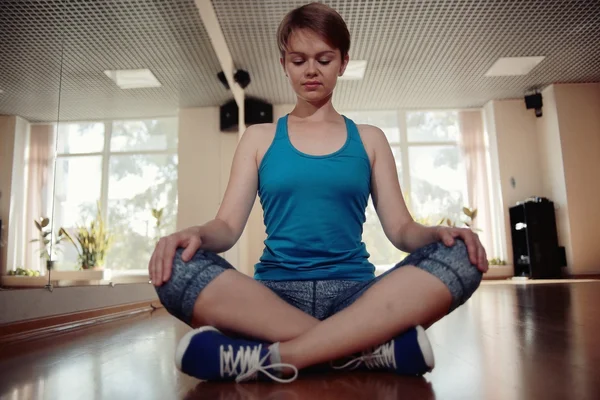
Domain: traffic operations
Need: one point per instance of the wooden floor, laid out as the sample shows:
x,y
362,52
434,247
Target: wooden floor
x,y
509,341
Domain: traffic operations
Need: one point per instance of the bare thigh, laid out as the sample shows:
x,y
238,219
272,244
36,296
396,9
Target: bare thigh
x,y
207,290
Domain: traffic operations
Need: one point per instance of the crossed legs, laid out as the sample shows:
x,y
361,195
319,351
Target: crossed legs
x,y
421,290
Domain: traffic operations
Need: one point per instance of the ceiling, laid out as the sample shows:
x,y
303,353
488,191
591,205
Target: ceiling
x,y
421,54
167,37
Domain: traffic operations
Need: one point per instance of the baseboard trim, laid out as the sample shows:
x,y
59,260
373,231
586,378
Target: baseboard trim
x,y
47,326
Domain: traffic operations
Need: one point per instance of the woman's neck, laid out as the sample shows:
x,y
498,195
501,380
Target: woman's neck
x,y
315,111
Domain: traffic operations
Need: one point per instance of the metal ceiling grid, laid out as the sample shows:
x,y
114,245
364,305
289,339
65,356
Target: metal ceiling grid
x,y
167,37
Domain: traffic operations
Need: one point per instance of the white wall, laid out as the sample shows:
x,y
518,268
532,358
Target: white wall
x,y
555,156
552,169
205,156
514,144
199,170
578,109
24,304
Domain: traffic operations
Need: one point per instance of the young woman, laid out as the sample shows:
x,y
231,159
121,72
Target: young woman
x,y
314,297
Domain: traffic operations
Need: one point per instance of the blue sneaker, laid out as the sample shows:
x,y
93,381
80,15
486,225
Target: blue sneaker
x,y
407,354
208,355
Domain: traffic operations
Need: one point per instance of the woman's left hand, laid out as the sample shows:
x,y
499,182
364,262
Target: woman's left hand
x,y
477,254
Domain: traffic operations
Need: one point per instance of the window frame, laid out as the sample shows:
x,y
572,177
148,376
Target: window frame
x,y
403,145
105,155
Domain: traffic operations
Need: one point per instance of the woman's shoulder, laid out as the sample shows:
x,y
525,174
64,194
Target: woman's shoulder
x,y
373,139
259,133
371,134
260,137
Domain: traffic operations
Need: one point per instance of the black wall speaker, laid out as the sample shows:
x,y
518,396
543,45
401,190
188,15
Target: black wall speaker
x,y
229,117
255,112
534,101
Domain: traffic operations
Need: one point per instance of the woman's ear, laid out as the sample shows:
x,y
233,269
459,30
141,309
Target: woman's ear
x,y
344,64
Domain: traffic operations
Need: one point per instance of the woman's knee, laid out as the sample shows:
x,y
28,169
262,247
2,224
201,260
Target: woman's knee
x,y
187,280
456,270
468,273
170,291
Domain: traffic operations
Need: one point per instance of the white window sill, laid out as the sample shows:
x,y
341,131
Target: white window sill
x,y
78,278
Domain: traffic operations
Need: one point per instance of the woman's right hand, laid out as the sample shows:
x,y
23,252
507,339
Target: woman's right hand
x,y
161,262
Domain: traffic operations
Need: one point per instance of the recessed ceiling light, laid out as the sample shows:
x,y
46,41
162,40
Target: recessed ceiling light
x,y
354,70
133,78
510,66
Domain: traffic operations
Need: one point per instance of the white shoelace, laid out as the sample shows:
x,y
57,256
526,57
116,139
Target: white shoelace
x,y
246,364
382,357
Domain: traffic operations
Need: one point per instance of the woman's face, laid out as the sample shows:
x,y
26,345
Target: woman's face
x,y
312,66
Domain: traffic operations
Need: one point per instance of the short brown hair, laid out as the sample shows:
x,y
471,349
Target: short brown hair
x,y
319,18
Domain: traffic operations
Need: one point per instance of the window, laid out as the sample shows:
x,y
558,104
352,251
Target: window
x,y
438,181
128,168
382,251
430,171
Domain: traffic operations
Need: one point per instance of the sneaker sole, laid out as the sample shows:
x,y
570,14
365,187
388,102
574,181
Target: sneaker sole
x,y
425,346
185,342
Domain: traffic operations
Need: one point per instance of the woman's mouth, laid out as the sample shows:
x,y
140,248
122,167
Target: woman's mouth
x,y
312,85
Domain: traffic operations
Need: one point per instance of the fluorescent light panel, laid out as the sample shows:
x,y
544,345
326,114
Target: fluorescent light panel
x,y
512,66
133,78
355,70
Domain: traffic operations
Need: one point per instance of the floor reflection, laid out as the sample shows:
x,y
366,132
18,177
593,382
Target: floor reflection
x,y
508,342
354,385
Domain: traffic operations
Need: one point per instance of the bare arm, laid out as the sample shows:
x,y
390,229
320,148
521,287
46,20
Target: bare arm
x,y
398,225
221,233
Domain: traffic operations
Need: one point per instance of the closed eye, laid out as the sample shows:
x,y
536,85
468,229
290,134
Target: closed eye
x,y
322,62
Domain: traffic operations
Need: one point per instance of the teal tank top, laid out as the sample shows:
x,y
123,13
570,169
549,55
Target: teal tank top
x,y
314,210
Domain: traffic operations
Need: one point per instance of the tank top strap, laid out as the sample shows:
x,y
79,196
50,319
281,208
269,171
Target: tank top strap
x,y
281,130
352,129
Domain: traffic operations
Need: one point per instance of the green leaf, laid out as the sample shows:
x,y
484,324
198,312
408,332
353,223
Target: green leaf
x,y
37,224
45,222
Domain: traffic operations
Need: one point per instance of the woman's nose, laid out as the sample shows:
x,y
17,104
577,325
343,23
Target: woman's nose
x,y
311,68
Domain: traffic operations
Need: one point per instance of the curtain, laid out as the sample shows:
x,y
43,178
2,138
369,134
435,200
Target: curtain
x,y
473,149
39,188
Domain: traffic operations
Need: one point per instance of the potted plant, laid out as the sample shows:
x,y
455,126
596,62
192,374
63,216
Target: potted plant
x,y
49,247
471,215
157,214
92,243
